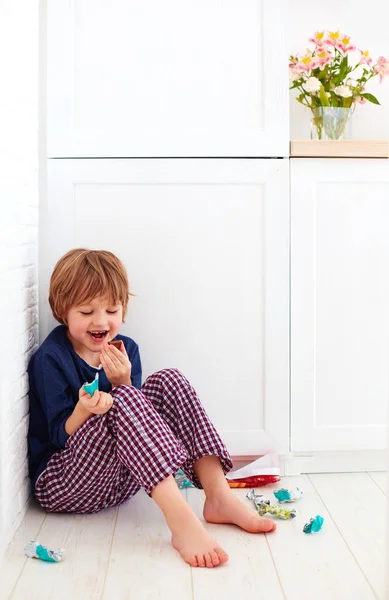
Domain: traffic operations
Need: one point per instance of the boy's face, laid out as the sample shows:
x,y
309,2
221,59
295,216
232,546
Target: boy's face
x,y
93,324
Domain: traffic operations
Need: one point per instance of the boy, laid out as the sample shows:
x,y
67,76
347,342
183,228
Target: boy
x,y
90,452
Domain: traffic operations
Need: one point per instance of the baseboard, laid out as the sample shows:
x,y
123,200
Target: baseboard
x,y
296,463
335,462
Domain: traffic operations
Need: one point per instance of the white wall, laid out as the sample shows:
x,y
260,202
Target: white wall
x,y
18,247
367,24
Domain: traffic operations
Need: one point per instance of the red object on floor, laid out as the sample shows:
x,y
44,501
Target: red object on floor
x,y
254,481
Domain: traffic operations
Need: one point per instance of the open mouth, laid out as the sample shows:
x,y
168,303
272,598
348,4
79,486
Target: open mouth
x,y
98,335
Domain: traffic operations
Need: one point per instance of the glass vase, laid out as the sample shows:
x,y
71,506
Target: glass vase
x,y
331,123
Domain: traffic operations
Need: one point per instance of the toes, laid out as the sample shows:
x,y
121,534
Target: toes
x,y
192,560
214,558
223,556
208,560
200,560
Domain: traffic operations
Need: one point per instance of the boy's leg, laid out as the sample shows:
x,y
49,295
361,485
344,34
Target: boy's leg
x,y
189,537
174,398
221,505
208,459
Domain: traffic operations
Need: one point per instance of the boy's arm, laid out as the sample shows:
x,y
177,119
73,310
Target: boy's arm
x,y
136,367
76,419
51,388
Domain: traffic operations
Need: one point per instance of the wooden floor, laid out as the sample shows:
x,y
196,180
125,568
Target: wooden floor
x,y
125,553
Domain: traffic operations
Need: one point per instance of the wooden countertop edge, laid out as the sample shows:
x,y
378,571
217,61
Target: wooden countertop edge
x,y
339,149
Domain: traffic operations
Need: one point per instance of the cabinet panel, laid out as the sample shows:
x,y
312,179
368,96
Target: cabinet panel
x,y
144,78
206,248
339,303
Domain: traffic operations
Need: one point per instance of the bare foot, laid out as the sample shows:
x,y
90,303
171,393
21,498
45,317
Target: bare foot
x,y
194,543
229,509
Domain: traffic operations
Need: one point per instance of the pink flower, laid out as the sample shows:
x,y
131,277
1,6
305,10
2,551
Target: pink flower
x,y
360,100
305,64
333,38
382,67
318,38
322,58
344,44
365,58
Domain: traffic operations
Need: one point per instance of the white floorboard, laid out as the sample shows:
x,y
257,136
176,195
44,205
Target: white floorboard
x,y
381,479
249,573
125,553
358,507
81,575
143,563
315,566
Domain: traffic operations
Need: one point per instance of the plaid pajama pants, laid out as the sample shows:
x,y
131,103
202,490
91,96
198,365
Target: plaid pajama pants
x,y
147,435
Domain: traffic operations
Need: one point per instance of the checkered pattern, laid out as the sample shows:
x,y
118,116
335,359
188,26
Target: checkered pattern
x,y
146,436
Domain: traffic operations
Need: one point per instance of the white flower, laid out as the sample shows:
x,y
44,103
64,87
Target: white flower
x,y
294,75
312,84
344,91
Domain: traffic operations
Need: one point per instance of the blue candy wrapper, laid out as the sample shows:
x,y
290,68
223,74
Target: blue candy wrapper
x,y
92,387
314,525
36,550
182,480
284,495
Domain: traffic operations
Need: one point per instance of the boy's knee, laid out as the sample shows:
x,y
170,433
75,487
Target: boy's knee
x,y
170,374
124,394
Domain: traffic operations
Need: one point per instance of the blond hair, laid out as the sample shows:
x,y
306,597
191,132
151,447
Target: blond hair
x,y
82,275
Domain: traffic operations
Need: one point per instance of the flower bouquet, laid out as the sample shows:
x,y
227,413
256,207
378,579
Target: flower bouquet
x,y
330,84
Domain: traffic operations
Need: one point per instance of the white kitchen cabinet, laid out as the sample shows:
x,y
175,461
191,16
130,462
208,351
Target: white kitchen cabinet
x,y
178,78
206,246
339,304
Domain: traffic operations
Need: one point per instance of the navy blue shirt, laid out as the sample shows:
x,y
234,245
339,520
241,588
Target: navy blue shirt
x,y
56,374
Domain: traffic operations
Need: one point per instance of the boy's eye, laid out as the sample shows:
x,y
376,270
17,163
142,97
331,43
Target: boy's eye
x,y
110,312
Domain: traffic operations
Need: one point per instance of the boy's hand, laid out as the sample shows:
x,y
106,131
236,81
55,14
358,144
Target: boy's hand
x,y
116,365
98,404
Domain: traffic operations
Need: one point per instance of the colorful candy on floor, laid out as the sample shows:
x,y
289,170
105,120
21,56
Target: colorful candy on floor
x,y
36,550
254,481
314,525
264,507
284,495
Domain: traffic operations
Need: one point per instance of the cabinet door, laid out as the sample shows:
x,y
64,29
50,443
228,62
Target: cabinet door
x,y
206,247
339,303
178,78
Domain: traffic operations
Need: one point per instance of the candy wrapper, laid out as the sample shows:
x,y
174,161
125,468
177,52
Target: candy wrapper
x,y
256,481
261,472
92,387
182,480
284,495
264,507
36,550
314,525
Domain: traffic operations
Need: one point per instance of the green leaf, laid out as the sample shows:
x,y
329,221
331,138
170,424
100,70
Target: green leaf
x,y
323,97
371,98
343,70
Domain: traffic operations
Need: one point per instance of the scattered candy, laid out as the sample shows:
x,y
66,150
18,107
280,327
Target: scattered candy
x,y
284,495
182,480
314,525
92,387
35,550
264,507
253,481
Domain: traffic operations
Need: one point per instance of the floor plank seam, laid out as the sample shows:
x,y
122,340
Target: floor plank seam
x,y
275,567
26,558
343,538
377,484
110,552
